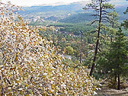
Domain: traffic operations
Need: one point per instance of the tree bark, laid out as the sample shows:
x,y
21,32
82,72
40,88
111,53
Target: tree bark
x,y
118,81
111,34
97,43
81,48
118,88
115,80
94,59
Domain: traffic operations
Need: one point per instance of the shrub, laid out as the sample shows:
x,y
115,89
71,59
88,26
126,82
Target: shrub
x,y
31,65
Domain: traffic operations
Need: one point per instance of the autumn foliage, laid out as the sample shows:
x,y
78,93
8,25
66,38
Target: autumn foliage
x,y
30,64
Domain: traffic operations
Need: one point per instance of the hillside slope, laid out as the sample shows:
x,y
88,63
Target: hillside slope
x,y
71,13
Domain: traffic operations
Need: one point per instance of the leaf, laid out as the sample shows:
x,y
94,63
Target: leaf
x,y
2,13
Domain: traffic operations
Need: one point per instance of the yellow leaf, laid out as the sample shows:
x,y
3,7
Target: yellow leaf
x,y
4,84
26,95
10,94
26,85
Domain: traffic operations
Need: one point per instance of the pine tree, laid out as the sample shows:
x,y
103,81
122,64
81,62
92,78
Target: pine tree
x,y
116,58
101,7
125,23
113,20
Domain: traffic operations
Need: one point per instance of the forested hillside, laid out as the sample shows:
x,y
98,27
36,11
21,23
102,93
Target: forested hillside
x,y
71,15
64,50
69,10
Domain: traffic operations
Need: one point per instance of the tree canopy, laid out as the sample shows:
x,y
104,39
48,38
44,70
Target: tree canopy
x,y
113,62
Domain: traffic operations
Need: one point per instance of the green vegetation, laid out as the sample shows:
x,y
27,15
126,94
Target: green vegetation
x,y
113,61
100,7
69,39
73,28
53,55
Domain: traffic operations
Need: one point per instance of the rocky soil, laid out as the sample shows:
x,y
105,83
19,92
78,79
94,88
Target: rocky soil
x,y
105,91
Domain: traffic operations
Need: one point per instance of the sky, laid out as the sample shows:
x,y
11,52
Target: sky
x,y
50,2
39,2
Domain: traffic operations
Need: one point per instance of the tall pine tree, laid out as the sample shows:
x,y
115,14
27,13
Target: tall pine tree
x,y
115,59
101,7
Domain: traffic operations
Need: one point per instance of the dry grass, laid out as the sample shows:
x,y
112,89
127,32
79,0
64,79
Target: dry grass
x,y
105,91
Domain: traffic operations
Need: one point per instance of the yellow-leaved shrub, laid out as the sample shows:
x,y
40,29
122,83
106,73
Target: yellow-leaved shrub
x,y
31,66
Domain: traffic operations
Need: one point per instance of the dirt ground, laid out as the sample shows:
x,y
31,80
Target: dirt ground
x,y
112,92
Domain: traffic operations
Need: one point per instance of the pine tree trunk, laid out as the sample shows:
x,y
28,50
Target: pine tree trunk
x,y
119,46
81,49
118,81
111,38
97,43
115,80
94,59
111,34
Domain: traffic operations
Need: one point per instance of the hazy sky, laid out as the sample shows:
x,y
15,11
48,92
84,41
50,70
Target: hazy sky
x,y
39,2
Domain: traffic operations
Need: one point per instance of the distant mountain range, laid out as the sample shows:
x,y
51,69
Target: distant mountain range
x,y
67,12
71,6
45,8
119,3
